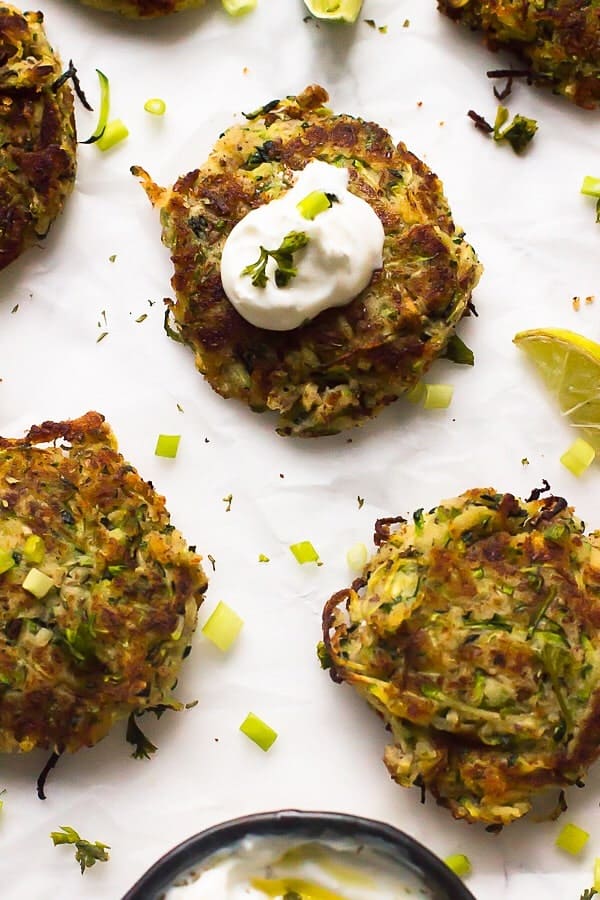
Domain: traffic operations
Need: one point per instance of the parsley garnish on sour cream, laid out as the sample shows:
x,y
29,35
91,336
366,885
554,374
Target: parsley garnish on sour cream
x,y
328,242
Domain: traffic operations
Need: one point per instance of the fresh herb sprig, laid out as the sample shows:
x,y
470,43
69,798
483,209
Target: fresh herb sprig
x,y
86,853
283,257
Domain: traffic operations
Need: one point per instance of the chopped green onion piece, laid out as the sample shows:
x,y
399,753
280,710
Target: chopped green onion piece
x,y
34,549
167,445
416,393
438,396
114,132
314,203
356,557
578,457
597,874
304,552
104,109
258,731
37,583
459,863
155,106
6,561
572,839
591,186
222,626
238,7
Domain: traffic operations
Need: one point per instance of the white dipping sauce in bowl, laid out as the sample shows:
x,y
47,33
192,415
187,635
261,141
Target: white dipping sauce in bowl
x,y
273,867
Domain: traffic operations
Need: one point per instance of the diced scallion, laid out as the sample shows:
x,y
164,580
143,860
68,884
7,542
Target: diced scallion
x,y
155,106
258,731
115,132
591,186
304,552
238,7
416,393
34,549
572,839
356,557
6,561
37,583
222,626
438,396
459,863
314,203
578,457
167,445
104,109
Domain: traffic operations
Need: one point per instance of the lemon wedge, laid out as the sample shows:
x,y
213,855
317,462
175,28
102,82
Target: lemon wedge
x,y
570,365
336,10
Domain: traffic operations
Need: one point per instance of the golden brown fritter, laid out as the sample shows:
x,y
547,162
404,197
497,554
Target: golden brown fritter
x,y
345,365
558,39
474,632
100,628
37,133
144,9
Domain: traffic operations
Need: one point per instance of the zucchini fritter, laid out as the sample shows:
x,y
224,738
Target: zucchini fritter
x,y
37,133
559,39
474,632
107,636
144,9
345,365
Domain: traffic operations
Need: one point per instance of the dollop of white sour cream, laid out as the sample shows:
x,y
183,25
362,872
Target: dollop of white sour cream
x,y
345,245
259,868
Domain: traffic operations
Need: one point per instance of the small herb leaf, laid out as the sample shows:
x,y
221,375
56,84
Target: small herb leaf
x,y
86,853
283,257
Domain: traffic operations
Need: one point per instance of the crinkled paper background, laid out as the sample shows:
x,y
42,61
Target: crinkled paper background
x,y
537,238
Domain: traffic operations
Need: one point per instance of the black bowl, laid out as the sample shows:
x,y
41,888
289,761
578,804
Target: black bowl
x,y
436,876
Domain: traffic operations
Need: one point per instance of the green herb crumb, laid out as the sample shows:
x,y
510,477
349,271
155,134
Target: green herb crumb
x,y
86,853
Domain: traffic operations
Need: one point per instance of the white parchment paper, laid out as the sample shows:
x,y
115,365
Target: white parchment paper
x,y
537,238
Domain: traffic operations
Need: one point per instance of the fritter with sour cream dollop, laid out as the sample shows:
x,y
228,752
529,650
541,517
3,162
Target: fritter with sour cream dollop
x,y
98,592
345,365
37,133
474,633
558,39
